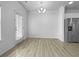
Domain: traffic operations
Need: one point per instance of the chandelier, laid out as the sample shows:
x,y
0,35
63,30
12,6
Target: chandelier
x,y
41,10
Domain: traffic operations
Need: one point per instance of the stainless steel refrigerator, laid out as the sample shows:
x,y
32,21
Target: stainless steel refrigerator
x,y
71,30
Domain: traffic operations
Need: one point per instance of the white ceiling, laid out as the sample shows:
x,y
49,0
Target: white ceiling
x,y
75,5
49,5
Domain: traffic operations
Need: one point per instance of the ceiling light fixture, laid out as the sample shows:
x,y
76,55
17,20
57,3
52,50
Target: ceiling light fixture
x,y
70,2
44,10
41,10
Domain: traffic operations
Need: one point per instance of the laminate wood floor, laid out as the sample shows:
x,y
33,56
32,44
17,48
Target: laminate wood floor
x,y
45,48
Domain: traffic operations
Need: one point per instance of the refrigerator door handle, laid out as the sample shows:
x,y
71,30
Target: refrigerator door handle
x,y
73,26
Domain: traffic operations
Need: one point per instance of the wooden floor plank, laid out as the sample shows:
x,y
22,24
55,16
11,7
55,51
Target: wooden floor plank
x,y
45,48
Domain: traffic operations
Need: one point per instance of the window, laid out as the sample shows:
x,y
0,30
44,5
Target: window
x,y
19,27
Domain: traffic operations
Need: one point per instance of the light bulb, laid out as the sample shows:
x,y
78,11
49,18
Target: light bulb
x,y
44,10
70,2
41,9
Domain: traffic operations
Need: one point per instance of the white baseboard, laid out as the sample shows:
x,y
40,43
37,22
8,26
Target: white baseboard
x,y
48,38
45,37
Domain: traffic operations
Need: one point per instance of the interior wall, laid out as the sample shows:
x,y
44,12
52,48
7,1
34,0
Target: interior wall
x,y
72,13
43,26
61,15
8,28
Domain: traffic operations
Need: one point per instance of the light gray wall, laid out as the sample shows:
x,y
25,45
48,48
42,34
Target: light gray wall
x,y
43,26
8,24
61,23
72,13
48,25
